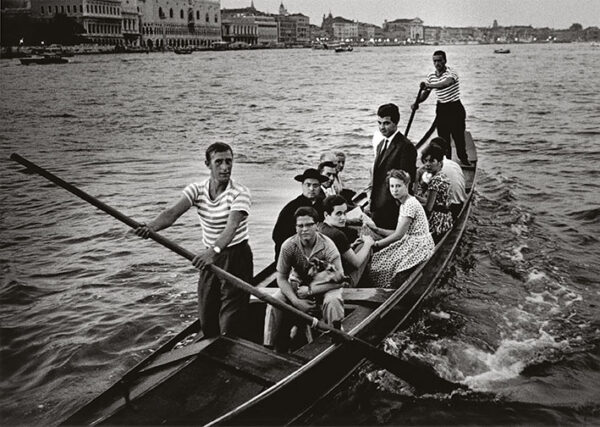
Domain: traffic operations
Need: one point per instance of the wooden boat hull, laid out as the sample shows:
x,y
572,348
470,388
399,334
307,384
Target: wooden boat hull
x,y
233,381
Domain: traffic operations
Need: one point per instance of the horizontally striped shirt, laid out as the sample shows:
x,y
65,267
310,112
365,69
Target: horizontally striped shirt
x,y
447,94
213,214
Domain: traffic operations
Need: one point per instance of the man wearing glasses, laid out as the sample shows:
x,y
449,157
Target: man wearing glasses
x,y
294,269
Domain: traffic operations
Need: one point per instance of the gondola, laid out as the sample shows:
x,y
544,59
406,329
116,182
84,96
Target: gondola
x,y
44,59
228,380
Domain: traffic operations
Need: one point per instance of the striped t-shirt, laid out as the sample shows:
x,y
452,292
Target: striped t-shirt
x,y
213,214
447,94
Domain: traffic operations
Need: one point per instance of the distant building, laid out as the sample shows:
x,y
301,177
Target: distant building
x,y
367,32
249,25
404,29
267,30
178,23
293,29
130,24
239,29
255,27
317,33
101,19
339,28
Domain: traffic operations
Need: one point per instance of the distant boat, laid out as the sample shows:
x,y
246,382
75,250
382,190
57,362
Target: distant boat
x,y
344,48
502,51
219,46
595,44
183,51
45,59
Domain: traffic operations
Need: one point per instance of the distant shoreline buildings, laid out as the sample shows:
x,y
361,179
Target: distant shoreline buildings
x,y
160,24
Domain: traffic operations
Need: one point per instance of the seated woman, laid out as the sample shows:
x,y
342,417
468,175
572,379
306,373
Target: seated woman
x,y
406,246
436,197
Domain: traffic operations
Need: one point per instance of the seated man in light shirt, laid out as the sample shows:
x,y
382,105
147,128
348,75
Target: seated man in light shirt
x,y
294,280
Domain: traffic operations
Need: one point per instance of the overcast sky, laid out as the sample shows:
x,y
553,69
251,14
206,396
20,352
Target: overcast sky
x,y
460,13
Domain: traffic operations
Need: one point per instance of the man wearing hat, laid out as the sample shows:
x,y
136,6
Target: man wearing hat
x,y
285,226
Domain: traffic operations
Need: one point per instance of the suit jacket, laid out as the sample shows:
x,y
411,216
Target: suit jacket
x,y
400,154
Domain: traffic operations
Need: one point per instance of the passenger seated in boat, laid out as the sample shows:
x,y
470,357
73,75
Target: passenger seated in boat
x,y
329,170
355,251
338,184
311,181
330,156
300,258
406,246
436,198
458,193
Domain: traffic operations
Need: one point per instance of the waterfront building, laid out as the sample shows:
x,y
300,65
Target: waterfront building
x,y
267,30
293,29
239,29
259,28
347,30
340,28
180,23
404,30
317,34
249,25
130,24
101,19
368,32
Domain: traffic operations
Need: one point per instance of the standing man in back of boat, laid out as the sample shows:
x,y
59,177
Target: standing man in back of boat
x,y
223,206
450,113
394,151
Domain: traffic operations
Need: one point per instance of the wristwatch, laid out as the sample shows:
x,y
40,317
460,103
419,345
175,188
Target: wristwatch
x,y
216,249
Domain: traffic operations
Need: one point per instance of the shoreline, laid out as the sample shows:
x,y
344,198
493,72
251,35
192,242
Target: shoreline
x,y
16,52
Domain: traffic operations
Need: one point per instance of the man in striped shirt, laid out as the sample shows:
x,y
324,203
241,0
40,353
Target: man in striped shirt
x,y
450,113
223,206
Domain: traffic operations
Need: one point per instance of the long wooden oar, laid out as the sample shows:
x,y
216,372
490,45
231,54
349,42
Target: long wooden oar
x,y
422,377
412,114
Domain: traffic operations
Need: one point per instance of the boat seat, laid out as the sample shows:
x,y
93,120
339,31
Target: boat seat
x,y
251,360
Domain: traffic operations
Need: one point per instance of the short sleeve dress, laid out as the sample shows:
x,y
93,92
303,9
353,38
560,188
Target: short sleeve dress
x,y
415,247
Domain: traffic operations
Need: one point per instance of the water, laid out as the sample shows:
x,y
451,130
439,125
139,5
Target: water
x,y
516,318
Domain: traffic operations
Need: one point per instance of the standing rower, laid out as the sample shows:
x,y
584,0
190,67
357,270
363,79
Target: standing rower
x,y
450,113
223,207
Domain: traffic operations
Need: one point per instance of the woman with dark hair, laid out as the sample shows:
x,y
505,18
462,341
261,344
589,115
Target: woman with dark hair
x,y
436,197
407,245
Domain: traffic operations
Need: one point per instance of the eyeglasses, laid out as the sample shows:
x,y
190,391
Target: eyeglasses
x,y
305,225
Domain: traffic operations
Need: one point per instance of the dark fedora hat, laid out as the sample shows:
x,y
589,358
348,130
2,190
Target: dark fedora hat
x,y
311,173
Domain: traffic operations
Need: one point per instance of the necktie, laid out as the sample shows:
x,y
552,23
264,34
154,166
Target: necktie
x,y
383,146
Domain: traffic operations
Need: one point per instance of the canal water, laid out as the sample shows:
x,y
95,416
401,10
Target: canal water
x,y
516,317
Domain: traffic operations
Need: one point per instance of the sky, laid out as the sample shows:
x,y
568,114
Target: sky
x,y
556,14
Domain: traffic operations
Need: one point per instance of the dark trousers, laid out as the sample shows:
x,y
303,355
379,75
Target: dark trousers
x,y
450,120
223,308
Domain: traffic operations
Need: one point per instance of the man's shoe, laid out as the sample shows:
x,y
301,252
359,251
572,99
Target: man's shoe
x,y
466,162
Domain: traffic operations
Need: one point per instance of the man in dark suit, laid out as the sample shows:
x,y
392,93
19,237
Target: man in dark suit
x,y
393,152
